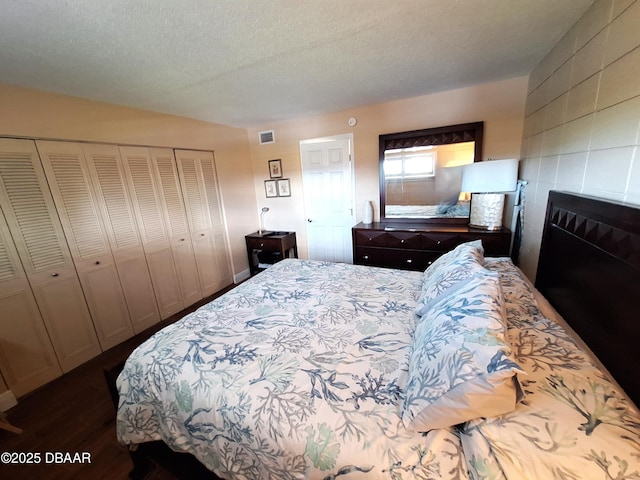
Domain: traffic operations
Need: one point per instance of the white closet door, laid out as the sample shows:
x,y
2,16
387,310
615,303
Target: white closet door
x,y
119,221
27,358
193,192
70,184
37,233
155,240
166,175
194,188
216,214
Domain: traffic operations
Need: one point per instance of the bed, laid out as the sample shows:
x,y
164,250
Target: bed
x,y
335,371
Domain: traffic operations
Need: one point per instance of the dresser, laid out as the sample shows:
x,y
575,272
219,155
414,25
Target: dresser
x,y
415,247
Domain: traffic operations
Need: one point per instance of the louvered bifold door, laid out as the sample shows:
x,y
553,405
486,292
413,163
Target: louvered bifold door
x,y
216,214
166,176
27,358
126,246
195,199
70,183
33,221
155,240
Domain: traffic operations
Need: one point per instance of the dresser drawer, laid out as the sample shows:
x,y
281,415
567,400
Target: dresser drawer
x,y
404,240
417,260
441,242
400,258
271,244
370,238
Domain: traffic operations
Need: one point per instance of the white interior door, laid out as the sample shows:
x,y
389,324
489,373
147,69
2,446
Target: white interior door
x,y
327,176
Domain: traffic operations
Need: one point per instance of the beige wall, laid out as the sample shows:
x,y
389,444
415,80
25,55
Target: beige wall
x,y
583,117
35,114
499,104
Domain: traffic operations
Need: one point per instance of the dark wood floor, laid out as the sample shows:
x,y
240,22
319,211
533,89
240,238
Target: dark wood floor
x,y
75,414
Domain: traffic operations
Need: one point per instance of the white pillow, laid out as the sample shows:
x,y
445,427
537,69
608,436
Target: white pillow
x,y
461,366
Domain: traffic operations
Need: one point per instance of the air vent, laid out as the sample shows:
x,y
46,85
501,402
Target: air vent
x,y
267,137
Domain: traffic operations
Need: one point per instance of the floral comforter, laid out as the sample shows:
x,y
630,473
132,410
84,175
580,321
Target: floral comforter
x,y
300,373
574,422
297,373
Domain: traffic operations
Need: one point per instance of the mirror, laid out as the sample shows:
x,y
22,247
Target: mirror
x,y
421,173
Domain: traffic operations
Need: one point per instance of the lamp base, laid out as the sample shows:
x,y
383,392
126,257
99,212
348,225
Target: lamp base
x,y
486,211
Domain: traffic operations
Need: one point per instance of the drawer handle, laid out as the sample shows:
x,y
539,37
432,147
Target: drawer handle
x,y
409,261
98,262
438,242
402,241
262,244
54,275
182,239
366,257
202,234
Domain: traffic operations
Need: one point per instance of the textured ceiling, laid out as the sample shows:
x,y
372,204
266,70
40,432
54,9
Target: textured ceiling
x,y
251,62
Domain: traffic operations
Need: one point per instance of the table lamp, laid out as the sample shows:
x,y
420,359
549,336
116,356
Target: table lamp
x,y
488,181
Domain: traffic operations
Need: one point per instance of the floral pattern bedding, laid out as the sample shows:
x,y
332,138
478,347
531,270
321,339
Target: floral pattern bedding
x,y
301,373
297,373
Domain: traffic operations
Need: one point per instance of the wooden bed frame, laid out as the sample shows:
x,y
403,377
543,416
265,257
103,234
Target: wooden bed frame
x,y
589,270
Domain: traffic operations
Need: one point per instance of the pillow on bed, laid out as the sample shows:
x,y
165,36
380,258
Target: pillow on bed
x,y
461,366
450,272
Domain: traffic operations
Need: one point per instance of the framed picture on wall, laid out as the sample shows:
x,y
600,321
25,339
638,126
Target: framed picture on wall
x,y
284,188
275,168
270,188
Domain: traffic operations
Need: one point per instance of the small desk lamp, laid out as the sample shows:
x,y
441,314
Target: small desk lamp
x,y
488,181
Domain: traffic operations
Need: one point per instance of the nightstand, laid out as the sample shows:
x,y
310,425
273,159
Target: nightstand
x,y
266,248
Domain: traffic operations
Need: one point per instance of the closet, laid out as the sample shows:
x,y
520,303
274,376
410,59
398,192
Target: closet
x,y
106,171
70,183
27,358
205,216
36,231
97,243
180,285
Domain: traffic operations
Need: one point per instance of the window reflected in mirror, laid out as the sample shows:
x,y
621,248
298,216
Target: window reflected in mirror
x,y
421,173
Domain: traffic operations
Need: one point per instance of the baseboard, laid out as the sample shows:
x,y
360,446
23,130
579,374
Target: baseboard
x,y
242,276
7,400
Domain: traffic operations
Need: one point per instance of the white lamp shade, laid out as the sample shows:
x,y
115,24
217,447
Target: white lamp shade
x,y
490,176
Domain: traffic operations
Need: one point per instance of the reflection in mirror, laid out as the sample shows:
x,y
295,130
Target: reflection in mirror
x,y
421,173
425,181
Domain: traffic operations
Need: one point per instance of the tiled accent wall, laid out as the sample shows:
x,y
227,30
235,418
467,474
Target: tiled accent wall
x,y
582,117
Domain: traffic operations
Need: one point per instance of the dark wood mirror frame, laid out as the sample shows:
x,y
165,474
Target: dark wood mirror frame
x,y
467,132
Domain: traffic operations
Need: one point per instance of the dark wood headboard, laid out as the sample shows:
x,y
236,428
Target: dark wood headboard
x,y
589,270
